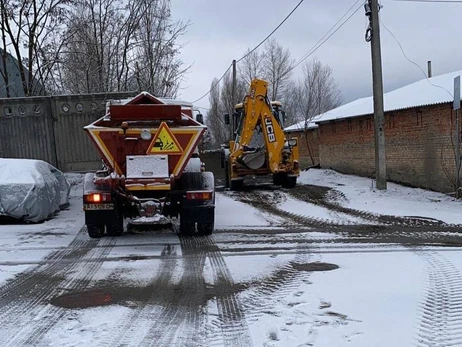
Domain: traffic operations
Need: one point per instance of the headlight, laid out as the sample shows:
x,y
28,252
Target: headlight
x,y
145,134
292,142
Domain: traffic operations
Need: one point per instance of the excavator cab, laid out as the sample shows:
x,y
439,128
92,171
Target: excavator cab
x,y
279,112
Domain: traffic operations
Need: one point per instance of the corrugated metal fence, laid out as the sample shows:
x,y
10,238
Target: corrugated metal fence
x,y
51,129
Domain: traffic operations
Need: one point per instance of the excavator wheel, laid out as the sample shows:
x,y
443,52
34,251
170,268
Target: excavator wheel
x,y
236,185
278,179
289,182
95,231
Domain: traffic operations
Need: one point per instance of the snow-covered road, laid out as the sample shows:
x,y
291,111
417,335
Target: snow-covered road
x,y
331,263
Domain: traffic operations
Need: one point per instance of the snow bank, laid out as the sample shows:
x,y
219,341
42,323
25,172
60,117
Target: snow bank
x,y
360,193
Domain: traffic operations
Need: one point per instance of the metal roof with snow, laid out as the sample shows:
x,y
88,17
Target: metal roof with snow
x,y
426,92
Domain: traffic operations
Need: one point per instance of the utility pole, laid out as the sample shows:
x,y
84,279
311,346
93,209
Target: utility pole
x,y
456,107
373,36
233,95
429,68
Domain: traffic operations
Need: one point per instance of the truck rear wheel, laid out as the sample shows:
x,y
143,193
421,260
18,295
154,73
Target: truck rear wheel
x,y
205,228
187,228
95,231
116,226
115,229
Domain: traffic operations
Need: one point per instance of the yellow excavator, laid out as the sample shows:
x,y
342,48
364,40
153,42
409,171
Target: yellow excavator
x,y
260,147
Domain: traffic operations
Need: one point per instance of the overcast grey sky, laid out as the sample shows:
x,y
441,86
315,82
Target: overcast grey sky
x,y
223,30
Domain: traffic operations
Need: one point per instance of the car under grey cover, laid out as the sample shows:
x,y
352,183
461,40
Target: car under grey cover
x,y
31,190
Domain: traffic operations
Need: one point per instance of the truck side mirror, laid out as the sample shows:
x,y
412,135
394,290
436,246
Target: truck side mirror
x,y
227,118
200,118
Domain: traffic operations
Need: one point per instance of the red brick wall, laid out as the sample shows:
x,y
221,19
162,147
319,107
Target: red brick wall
x,y
308,147
418,146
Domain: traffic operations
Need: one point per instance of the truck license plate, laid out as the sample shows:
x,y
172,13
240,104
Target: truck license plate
x,y
94,207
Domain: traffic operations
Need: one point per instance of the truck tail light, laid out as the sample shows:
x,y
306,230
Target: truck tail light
x,y
97,197
199,195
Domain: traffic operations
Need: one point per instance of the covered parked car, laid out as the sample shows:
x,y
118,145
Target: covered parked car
x,y
31,190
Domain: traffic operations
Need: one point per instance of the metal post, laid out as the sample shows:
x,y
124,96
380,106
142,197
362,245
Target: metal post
x,y
231,114
457,155
456,107
429,67
380,158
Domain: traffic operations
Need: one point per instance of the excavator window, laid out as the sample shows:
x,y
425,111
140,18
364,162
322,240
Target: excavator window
x,y
279,114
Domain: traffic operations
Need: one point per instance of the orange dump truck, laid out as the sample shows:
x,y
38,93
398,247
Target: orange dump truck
x,y
151,168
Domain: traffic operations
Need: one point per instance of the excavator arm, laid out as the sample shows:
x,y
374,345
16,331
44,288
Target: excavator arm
x,y
260,147
258,112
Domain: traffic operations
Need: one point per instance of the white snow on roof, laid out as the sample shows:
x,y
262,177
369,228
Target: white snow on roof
x,y
301,126
436,90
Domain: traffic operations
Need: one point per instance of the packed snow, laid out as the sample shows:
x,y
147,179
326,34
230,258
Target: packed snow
x,y
374,298
360,193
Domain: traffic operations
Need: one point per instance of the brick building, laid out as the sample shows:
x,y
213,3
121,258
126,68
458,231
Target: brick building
x,y
308,143
419,130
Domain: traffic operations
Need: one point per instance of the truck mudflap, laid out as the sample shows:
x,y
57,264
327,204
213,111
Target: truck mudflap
x,y
198,214
197,203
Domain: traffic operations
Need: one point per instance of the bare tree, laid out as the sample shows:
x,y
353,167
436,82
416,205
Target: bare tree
x,y
101,38
215,122
291,100
277,68
159,68
221,102
119,46
30,28
250,67
317,92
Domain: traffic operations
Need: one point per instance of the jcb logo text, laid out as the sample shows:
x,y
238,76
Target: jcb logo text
x,y
270,130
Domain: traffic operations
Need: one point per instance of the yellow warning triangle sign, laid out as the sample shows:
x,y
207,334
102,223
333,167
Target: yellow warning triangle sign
x,y
164,142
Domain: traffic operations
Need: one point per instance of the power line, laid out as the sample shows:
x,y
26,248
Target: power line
x,y
271,33
411,61
443,1
251,51
329,34
212,87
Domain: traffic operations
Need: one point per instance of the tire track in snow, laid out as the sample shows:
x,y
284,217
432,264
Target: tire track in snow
x,y
30,336
137,323
183,319
30,290
278,285
231,316
260,201
440,321
24,282
320,196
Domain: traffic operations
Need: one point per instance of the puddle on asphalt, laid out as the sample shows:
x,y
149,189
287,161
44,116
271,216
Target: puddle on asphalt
x,y
117,292
316,266
83,299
